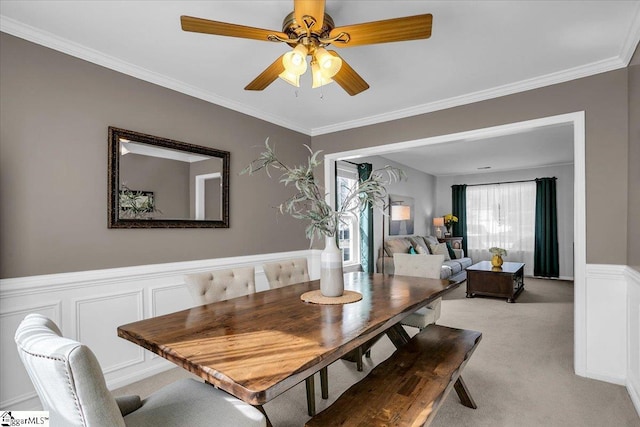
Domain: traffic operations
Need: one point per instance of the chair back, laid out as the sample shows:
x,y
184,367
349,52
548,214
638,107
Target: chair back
x,y
285,273
428,266
66,376
221,285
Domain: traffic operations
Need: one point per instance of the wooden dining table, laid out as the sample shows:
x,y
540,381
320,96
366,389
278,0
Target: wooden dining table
x,y
257,346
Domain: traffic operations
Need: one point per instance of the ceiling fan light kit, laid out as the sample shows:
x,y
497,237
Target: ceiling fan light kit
x,y
309,30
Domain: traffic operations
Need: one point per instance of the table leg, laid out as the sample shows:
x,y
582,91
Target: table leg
x,y
311,395
398,335
324,382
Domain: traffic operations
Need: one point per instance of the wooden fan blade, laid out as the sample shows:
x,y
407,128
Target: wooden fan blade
x,y
199,25
313,8
268,76
348,79
389,30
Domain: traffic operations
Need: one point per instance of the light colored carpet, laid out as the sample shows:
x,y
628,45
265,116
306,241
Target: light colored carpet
x,y
520,375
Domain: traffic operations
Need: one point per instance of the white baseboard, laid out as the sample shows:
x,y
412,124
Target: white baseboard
x,y
633,388
90,305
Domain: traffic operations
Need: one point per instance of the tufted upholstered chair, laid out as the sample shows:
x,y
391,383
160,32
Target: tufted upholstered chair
x,y
428,266
221,285
71,386
290,272
285,273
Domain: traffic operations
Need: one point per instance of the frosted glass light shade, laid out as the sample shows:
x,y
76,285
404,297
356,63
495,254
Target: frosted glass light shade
x,y
295,61
292,79
329,64
318,78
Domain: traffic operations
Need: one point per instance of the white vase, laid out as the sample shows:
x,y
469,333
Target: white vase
x,y
331,273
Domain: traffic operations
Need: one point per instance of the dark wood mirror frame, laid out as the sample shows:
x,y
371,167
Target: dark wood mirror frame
x,y
114,220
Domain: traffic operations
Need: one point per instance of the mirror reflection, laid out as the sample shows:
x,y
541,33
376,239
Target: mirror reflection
x,y
157,182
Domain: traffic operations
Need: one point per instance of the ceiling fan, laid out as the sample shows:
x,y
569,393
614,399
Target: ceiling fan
x,y
309,30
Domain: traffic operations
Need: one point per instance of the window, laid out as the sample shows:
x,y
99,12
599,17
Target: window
x,y
502,215
349,230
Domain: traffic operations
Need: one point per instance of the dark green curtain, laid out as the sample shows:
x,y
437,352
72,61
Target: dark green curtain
x,y
459,209
545,257
366,225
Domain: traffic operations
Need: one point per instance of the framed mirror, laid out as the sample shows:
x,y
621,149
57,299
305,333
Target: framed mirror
x,y
160,183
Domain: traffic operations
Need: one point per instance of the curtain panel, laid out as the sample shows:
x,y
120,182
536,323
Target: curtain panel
x,y
459,209
366,224
546,262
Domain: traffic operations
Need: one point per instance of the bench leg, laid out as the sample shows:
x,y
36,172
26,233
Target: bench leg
x,y
463,394
359,366
324,382
311,396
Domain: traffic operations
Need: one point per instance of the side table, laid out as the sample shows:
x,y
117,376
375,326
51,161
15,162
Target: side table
x,y
456,242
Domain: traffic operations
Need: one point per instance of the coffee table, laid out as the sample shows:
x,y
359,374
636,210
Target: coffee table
x,y
505,282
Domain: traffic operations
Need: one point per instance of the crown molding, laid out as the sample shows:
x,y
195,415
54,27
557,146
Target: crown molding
x,y
633,38
44,38
483,95
52,41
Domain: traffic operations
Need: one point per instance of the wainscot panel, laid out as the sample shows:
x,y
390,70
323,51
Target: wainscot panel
x,y
633,332
606,323
90,305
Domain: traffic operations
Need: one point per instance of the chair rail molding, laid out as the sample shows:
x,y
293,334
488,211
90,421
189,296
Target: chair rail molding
x,y
90,305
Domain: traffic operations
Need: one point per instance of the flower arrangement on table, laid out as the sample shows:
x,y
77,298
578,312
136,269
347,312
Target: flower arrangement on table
x,y
498,251
449,220
310,203
496,259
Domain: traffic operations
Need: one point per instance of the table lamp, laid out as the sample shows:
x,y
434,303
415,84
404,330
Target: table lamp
x,y
438,222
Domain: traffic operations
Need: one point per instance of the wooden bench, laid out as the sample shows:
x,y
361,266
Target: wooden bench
x,y
408,388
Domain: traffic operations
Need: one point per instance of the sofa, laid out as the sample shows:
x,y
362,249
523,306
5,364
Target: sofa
x,y
454,264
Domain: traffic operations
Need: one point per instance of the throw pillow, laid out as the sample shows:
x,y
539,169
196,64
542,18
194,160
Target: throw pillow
x,y
417,242
440,249
430,240
393,246
421,250
452,254
412,251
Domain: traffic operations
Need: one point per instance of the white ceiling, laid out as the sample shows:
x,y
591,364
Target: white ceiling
x,y
536,147
478,50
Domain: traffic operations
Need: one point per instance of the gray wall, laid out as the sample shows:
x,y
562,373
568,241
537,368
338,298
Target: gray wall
x,y
564,187
633,242
53,168
604,98
53,150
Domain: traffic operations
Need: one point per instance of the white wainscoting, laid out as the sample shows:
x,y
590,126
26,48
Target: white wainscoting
x,y
90,305
606,323
633,332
